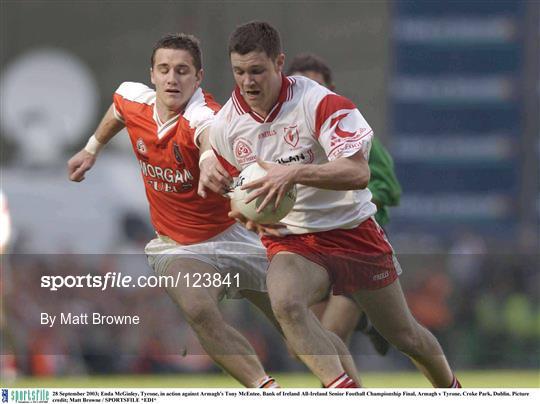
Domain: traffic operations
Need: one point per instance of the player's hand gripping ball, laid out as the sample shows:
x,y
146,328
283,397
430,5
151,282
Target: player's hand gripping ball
x,y
270,214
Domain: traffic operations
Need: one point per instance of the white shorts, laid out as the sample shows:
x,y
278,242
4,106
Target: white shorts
x,y
234,251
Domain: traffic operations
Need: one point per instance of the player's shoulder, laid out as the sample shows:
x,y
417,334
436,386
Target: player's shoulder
x,y
307,92
305,86
136,92
228,112
201,105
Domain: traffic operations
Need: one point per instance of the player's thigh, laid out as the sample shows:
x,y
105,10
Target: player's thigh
x,y
341,315
193,290
387,309
292,277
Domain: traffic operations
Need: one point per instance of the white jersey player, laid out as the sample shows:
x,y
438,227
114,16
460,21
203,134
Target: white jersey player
x,y
305,135
309,125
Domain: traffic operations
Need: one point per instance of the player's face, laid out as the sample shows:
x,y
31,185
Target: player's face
x,y
259,78
175,78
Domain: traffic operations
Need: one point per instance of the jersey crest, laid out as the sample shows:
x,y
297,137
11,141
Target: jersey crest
x,y
177,155
291,136
141,147
244,152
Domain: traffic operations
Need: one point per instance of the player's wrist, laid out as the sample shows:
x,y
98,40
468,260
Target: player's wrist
x,y
297,173
94,146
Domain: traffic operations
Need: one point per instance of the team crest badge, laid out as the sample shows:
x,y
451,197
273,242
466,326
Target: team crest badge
x,y
242,149
177,154
141,147
243,152
291,136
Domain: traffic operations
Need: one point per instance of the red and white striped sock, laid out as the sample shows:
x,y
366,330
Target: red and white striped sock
x,y
343,381
455,383
267,382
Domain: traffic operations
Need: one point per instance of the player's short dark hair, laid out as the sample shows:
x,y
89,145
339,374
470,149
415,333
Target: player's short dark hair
x,y
308,62
183,41
255,36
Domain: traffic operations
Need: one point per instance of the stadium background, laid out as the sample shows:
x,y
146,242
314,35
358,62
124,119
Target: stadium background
x,y
451,88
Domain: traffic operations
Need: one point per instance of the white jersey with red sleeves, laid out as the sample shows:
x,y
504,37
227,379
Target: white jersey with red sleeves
x,y
169,159
308,125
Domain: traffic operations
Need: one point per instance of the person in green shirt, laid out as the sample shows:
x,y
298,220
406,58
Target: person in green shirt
x,y
341,314
383,184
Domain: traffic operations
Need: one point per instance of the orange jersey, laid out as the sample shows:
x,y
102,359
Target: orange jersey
x,y
169,161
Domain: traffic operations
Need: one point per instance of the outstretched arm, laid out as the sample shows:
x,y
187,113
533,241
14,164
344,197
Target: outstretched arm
x,y
83,161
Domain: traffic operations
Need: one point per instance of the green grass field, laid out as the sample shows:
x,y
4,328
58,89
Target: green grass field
x,y
506,378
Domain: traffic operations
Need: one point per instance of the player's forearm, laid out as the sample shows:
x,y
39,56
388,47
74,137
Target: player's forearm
x,y
203,141
340,175
108,127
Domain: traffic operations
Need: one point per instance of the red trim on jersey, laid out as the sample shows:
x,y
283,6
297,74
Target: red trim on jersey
x,y
256,116
232,170
329,105
285,94
341,144
355,259
290,89
240,102
235,104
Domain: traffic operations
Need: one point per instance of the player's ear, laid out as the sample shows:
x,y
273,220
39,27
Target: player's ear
x,y
199,75
152,76
280,62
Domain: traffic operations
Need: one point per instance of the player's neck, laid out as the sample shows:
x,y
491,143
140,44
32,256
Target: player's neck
x,y
165,113
264,109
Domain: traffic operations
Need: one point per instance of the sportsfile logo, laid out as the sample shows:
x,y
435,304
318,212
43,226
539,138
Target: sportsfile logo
x,y
27,396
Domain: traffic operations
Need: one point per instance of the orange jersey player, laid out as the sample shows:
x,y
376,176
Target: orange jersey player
x,y
168,156
167,126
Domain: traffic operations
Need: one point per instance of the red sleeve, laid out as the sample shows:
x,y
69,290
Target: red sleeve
x,y
340,128
328,106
